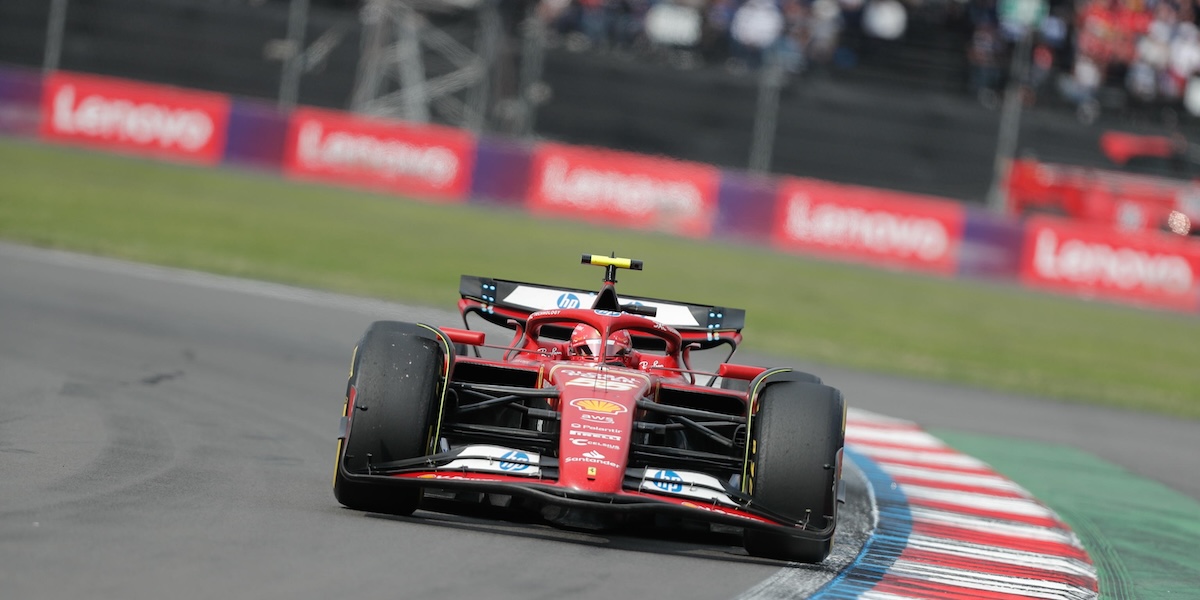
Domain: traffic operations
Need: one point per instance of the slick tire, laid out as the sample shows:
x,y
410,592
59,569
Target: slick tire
x,y
798,432
396,379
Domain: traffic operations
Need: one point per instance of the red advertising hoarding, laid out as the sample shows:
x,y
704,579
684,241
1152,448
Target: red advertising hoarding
x,y
1153,268
429,161
629,190
868,225
131,117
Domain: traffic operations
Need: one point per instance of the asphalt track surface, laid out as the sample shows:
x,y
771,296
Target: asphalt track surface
x,y
172,435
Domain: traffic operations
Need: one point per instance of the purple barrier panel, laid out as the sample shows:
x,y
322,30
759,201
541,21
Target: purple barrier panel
x,y
257,134
745,206
502,170
991,245
20,101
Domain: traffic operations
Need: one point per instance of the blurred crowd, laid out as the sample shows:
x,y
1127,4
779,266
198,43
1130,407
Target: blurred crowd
x,y
993,40
1142,52
1132,55
740,34
1150,47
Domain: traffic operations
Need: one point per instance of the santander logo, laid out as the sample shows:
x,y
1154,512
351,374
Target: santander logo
x,y
1095,263
595,189
141,123
317,149
876,231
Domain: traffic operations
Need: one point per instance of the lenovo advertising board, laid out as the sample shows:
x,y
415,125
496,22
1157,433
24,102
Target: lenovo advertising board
x,y
132,117
427,161
628,190
868,225
1153,268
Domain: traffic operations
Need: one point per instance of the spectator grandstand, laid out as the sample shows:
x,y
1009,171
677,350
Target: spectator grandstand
x,y
895,93
1135,56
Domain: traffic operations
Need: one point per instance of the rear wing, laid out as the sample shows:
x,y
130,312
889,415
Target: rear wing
x,y
499,300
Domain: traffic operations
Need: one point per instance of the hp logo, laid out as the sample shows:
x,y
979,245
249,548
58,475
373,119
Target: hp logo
x,y
568,301
674,483
514,466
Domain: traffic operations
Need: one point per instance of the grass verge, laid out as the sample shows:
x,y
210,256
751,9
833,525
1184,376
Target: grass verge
x,y
258,226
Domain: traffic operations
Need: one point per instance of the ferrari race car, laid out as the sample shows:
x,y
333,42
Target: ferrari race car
x,y
592,418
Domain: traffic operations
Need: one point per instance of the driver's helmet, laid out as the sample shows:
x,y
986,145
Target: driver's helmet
x,y
586,344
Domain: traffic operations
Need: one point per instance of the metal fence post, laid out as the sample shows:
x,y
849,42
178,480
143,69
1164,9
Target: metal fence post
x,y
1027,16
293,65
531,91
55,25
766,115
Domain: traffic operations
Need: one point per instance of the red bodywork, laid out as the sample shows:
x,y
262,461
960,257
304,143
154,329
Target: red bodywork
x,y
597,398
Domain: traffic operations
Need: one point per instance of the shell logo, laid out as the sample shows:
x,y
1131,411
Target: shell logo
x,y
596,405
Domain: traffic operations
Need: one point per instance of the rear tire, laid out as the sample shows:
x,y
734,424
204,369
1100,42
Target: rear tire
x,y
396,379
798,433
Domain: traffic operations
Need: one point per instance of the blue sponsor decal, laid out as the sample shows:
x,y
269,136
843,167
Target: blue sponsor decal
x,y
673,483
568,300
607,313
514,466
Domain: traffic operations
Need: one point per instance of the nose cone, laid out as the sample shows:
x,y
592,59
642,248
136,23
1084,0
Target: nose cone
x,y
597,405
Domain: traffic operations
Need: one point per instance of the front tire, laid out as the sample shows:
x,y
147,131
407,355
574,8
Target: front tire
x,y
798,434
741,385
392,400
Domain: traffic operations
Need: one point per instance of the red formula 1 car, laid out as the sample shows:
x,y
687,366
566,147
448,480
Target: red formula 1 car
x,y
592,417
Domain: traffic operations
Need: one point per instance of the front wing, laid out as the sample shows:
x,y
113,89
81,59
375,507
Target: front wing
x,y
500,470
